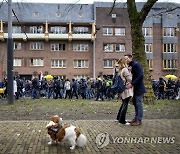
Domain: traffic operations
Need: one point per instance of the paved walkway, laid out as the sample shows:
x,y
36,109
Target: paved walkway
x,y
107,137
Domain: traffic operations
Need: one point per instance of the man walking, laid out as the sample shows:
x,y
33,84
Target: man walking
x,y
139,89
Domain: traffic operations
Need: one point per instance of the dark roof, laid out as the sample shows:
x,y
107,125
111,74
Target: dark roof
x,y
83,13
46,11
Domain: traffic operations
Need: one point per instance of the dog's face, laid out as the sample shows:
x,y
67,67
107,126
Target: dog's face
x,y
54,121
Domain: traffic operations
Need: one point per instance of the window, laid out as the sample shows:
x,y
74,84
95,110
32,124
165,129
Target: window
x,y
80,30
108,63
36,45
58,14
120,31
36,29
17,62
80,47
37,62
16,29
120,47
150,63
169,15
81,14
36,14
79,77
58,30
169,47
108,47
107,31
148,47
81,63
147,32
57,63
57,47
62,76
169,32
170,64
17,45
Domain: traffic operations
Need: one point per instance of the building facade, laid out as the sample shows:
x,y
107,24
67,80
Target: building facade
x,y
78,40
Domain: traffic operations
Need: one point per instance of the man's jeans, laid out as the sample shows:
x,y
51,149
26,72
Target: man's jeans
x,y
137,102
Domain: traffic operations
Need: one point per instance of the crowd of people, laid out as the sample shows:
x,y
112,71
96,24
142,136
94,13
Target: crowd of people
x,y
166,88
60,88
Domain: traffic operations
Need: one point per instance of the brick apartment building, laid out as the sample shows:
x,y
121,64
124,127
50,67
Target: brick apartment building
x,y
80,40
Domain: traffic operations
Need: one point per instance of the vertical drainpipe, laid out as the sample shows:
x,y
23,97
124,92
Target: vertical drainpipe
x,y
94,44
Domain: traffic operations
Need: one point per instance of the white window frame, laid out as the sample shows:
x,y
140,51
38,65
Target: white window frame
x,y
108,47
148,47
58,63
108,31
17,62
17,45
36,62
150,63
36,45
58,30
108,63
80,47
122,47
81,63
36,29
120,31
80,30
147,31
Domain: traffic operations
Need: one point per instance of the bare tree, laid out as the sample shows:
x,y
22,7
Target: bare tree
x,y
137,19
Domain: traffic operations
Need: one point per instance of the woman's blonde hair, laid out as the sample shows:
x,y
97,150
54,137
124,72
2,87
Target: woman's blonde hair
x,y
122,63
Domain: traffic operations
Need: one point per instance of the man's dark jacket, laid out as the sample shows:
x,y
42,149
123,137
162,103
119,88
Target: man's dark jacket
x,y
137,78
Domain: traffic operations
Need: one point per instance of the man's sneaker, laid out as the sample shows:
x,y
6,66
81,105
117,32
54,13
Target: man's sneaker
x,y
136,123
132,121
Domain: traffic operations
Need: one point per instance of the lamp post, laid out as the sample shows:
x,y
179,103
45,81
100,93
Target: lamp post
x,y
10,89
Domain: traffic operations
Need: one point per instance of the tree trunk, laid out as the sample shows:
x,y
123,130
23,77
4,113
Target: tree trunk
x,y
136,21
140,56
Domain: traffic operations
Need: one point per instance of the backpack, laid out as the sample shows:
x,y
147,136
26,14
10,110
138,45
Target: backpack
x,y
118,85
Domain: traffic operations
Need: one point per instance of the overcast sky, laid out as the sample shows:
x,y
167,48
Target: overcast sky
x,y
83,1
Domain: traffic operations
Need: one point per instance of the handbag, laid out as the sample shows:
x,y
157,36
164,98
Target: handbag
x,y
118,85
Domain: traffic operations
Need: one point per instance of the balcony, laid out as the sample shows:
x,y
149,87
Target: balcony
x,y
81,36
27,36
49,36
58,36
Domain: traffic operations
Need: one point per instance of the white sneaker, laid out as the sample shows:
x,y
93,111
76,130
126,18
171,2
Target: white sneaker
x,y
127,124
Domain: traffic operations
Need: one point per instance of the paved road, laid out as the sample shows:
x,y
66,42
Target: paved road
x,y
107,137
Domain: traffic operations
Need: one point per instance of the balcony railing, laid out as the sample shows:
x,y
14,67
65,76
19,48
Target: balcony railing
x,y
49,36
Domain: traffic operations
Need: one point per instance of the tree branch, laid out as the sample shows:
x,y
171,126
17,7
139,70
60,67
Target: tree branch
x,y
112,8
146,8
131,6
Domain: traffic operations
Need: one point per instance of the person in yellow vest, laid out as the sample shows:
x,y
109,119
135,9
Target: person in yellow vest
x,y
108,88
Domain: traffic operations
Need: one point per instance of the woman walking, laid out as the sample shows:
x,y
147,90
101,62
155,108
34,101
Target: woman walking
x,y
127,94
